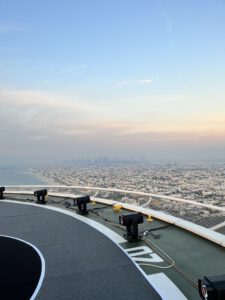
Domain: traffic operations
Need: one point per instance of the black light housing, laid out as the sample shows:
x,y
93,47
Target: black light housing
x,y
82,204
212,287
2,189
41,194
131,222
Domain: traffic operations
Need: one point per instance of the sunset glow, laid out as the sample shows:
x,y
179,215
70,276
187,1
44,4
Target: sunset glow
x,y
118,78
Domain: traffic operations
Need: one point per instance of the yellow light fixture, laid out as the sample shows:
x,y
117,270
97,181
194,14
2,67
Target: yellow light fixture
x,y
117,207
149,219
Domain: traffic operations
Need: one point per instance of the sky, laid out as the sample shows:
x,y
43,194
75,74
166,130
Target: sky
x,y
117,78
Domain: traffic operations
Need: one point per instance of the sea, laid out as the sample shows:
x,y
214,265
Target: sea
x,y
19,176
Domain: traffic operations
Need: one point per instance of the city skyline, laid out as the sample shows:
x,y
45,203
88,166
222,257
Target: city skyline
x,y
112,78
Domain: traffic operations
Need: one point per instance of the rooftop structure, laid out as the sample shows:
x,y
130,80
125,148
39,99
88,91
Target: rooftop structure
x,y
88,257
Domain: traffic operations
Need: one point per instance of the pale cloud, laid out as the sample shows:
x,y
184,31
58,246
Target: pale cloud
x,y
145,81
40,126
37,111
169,28
169,98
72,69
123,83
134,82
40,115
35,98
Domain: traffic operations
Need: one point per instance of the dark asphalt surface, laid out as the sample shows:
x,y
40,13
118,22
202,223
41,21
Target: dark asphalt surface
x,y
81,263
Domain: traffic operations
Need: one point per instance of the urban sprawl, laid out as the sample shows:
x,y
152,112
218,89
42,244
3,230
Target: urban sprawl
x,y
204,183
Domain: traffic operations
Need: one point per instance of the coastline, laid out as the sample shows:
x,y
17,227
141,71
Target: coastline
x,y
44,179
19,176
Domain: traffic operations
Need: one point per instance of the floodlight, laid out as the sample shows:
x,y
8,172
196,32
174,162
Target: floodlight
x,y
41,194
212,287
82,204
2,189
131,222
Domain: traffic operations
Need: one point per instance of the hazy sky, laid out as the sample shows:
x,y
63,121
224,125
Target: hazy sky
x,y
112,77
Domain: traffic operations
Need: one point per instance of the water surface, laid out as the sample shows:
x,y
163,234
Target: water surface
x,y
18,175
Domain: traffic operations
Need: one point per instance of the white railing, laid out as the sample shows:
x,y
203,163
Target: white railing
x,y
158,212
126,192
